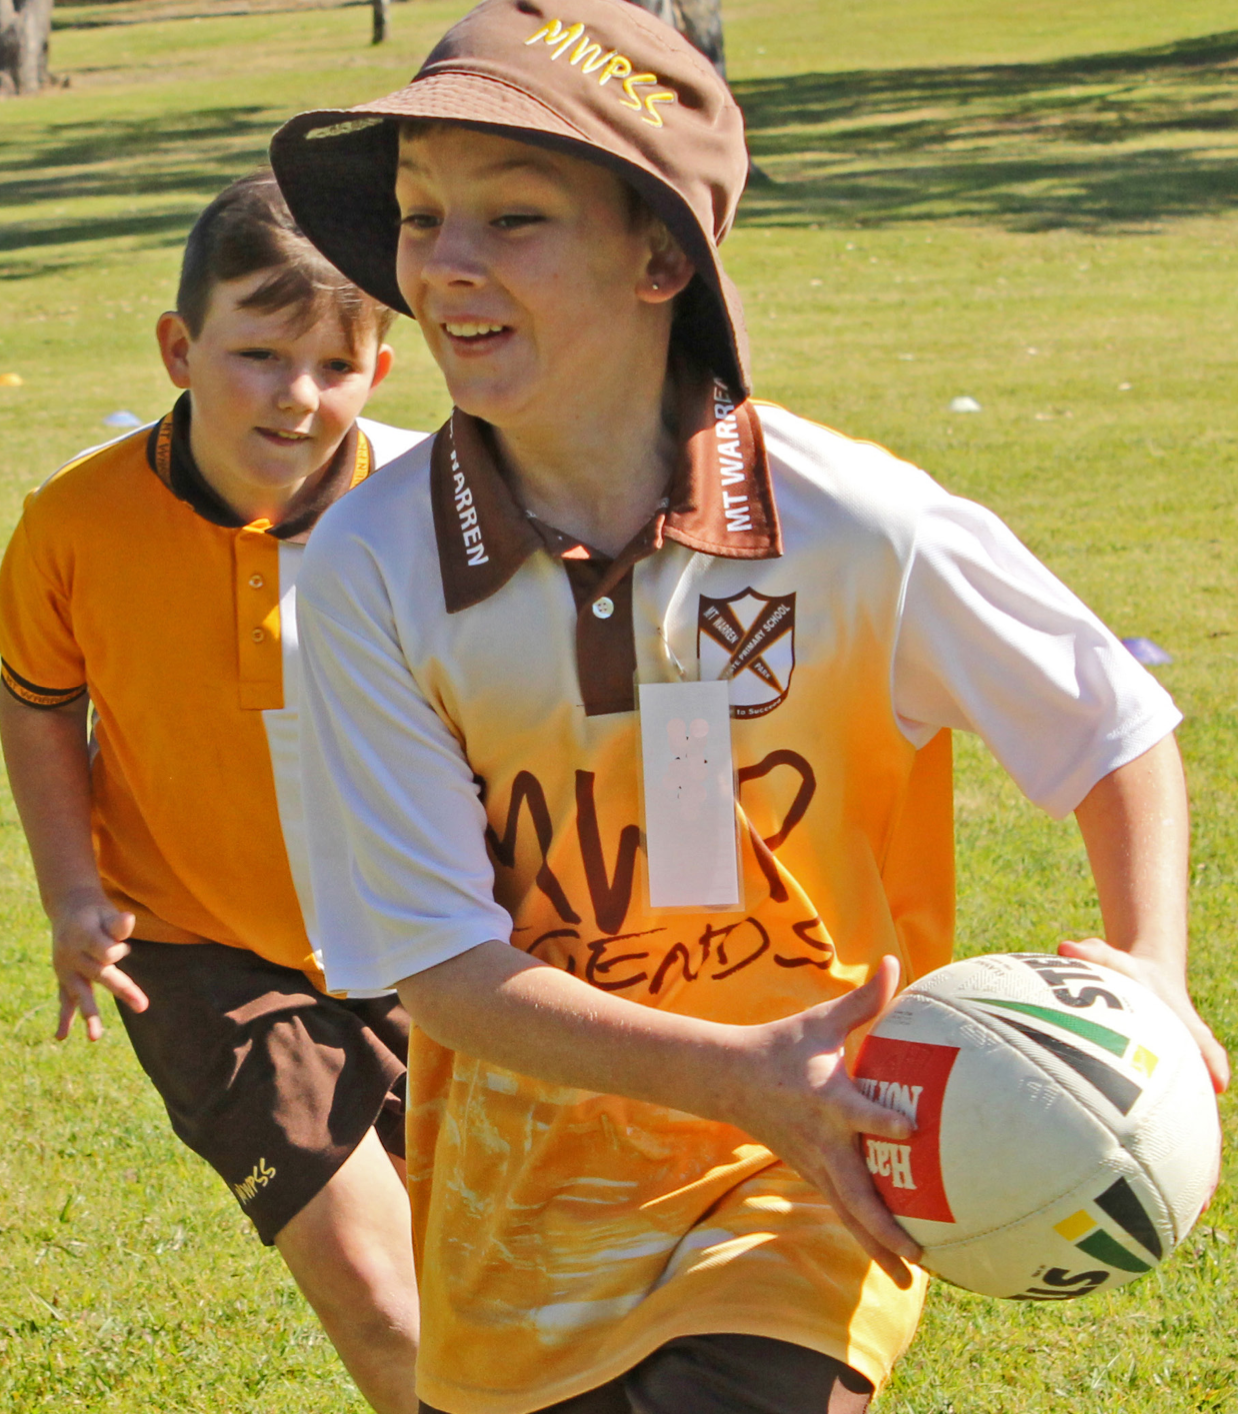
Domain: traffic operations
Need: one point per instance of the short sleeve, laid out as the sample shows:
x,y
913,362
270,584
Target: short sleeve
x,y
400,875
991,642
43,665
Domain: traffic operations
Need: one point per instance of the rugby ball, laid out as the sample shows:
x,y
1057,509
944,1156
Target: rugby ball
x,y
1066,1128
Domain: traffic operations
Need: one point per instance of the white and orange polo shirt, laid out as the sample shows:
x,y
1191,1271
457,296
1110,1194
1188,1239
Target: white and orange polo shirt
x,y
129,580
471,772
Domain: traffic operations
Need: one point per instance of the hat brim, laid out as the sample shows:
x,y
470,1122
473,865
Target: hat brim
x,y
337,170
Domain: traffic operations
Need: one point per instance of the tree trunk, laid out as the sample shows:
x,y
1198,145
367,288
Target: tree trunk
x,y
381,11
24,29
699,21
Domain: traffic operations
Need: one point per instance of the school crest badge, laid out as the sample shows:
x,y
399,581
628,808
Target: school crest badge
x,y
749,638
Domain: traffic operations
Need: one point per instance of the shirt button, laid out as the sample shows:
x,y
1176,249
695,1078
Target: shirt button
x,y
603,608
256,581
258,635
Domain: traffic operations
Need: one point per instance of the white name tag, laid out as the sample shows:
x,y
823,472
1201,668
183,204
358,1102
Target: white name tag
x,y
691,845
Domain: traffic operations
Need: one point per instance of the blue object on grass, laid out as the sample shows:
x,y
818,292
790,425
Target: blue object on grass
x,y
1144,651
123,418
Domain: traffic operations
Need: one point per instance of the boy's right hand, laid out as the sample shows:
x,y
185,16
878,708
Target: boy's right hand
x,y
88,940
811,1114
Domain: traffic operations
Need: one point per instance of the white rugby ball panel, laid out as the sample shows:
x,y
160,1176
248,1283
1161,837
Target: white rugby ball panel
x,y
975,1107
1071,1248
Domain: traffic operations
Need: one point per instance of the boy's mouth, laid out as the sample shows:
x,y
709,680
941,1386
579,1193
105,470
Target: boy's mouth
x,y
285,439
468,334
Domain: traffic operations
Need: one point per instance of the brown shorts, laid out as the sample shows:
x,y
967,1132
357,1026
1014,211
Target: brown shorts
x,y
725,1374
271,1082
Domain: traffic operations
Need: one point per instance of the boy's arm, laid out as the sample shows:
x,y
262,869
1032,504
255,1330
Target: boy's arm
x,y
784,1083
45,750
1135,825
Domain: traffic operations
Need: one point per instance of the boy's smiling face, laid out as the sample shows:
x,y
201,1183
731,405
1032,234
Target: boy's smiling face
x,y
534,283
272,400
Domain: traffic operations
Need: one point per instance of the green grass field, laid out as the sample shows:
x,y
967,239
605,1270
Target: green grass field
x,y
1033,205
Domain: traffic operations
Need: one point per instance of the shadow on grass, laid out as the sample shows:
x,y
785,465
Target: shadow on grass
x,y
1109,141
29,236
1104,141
177,160
107,14
84,144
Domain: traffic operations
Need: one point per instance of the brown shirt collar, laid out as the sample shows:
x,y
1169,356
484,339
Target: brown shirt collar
x,y
170,458
721,500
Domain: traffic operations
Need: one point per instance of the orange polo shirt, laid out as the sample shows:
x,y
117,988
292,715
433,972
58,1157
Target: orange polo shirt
x,y
128,580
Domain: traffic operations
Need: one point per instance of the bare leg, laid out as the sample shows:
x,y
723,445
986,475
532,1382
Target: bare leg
x,y
350,1251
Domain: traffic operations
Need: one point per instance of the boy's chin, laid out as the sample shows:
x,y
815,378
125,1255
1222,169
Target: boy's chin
x,y
284,467
482,403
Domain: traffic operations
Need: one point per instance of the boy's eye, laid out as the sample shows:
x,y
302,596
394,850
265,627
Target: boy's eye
x,y
514,220
420,221
340,365
258,355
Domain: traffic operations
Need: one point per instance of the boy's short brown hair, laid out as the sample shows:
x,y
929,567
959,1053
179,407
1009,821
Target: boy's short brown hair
x,y
248,228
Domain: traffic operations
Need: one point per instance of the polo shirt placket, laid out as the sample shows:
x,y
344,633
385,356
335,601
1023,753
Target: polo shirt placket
x,y
720,503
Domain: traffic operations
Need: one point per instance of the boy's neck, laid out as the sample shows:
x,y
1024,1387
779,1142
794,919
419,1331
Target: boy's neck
x,y
598,478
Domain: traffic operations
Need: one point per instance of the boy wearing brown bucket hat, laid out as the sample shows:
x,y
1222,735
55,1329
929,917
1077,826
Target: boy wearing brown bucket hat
x,y
554,658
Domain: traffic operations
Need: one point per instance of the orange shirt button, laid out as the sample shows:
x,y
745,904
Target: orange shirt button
x,y
258,635
604,608
256,581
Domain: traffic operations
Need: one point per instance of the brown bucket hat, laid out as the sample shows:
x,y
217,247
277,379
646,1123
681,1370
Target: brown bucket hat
x,y
597,79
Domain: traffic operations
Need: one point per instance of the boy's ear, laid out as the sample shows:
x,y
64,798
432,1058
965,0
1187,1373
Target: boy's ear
x,y
666,273
174,340
382,364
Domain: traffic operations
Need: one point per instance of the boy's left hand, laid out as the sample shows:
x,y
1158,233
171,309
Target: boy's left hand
x,y
1169,985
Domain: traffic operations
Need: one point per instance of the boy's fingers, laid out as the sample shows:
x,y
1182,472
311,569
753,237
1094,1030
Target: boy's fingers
x,y
854,1187
124,988
121,926
866,1116
1171,991
77,992
1216,1058
866,1003
889,1247
89,1008
898,1270
68,1006
106,952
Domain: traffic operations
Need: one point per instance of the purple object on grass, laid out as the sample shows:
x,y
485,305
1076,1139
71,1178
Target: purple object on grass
x,y
1144,651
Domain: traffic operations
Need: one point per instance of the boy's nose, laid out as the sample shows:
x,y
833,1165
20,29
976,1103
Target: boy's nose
x,y
454,258
300,392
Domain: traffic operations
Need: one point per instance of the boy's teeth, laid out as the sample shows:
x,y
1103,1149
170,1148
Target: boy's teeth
x,y
470,330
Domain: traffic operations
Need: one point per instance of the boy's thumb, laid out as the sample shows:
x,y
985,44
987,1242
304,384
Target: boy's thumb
x,y
121,925
869,1001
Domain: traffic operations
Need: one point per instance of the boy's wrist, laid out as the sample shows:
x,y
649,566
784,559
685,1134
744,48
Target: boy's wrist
x,y
724,1073
70,898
